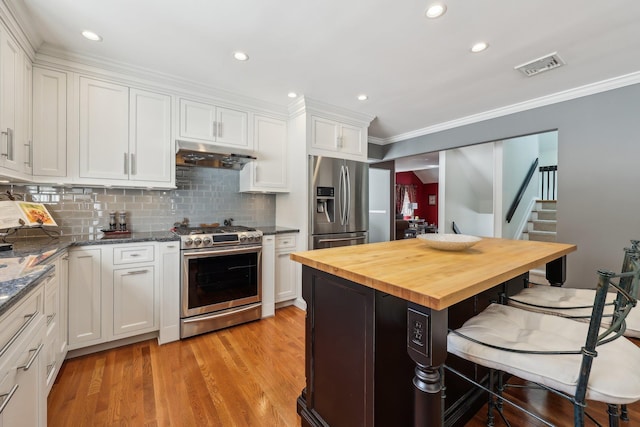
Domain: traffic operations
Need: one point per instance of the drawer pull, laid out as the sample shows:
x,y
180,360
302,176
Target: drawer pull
x,y
15,336
130,273
134,255
7,397
50,368
35,351
50,318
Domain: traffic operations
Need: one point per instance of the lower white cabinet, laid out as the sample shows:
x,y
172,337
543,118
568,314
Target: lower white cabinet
x,y
113,292
23,397
268,275
285,269
169,292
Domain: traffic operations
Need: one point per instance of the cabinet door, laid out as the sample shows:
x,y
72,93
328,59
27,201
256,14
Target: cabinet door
x,y
150,152
270,172
25,130
285,284
10,93
351,140
27,406
62,271
169,292
104,130
268,276
324,134
85,298
49,123
197,120
231,127
134,300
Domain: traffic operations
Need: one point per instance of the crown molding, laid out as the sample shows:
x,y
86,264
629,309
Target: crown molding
x,y
307,105
578,92
52,57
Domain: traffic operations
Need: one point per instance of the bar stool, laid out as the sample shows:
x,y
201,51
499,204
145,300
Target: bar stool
x,y
576,360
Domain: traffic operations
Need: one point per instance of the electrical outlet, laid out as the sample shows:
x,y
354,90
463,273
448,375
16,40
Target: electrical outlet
x,y
418,331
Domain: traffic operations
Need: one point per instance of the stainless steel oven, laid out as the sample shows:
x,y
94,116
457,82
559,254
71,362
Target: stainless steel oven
x,y
221,282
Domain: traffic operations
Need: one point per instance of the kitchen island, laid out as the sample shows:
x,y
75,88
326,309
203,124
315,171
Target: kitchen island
x,y
377,321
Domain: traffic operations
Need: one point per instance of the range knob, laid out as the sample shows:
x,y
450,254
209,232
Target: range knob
x,y
257,238
188,241
207,241
243,238
197,241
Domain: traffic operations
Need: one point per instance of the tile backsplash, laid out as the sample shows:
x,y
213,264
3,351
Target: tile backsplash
x,y
203,195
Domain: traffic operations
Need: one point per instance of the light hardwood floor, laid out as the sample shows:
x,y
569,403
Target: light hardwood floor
x,y
248,375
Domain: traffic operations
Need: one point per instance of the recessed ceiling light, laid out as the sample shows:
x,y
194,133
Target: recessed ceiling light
x,y
292,95
479,47
240,56
362,97
435,11
91,36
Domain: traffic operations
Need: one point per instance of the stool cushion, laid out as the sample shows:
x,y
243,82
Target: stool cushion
x,y
555,299
615,374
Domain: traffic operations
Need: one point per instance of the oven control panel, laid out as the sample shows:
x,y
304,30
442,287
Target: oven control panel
x,y
197,241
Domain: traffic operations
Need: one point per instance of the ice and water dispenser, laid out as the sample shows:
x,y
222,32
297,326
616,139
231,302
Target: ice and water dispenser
x,y
325,204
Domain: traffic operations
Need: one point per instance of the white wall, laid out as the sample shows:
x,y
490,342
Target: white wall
x,y
467,190
598,175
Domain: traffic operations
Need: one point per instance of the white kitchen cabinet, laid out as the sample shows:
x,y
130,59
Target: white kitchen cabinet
x,y
85,297
134,295
270,172
52,329
285,269
11,92
49,123
21,366
268,275
25,130
207,123
331,137
104,130
150,153
125,134
169,292
119,292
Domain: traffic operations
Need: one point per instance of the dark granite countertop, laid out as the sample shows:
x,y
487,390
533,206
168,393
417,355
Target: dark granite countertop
x,y
22,268
267,230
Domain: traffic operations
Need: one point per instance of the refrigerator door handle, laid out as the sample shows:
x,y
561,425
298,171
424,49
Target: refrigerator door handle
x,y
341,195
348,196
342,239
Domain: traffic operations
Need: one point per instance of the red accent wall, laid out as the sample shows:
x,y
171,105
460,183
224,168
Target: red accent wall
x,y
428,212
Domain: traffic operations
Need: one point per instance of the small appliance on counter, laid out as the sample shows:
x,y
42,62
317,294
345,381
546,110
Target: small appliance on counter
x,y
117,230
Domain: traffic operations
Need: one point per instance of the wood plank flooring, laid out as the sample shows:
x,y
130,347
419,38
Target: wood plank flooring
x,y
248,375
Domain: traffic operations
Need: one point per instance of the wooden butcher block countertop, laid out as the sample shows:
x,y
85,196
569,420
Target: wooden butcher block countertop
x,y
429,277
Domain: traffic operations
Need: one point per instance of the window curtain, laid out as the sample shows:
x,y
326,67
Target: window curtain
x,y
401,190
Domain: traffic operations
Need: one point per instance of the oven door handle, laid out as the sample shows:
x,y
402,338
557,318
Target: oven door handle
x,y
241,267
223,252
216,315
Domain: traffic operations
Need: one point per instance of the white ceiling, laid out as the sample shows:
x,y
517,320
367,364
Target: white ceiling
x,y
417,72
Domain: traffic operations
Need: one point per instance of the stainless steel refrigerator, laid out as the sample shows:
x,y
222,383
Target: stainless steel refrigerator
x,y
339,202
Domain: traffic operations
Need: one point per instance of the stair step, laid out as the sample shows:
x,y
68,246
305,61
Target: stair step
x,y
546,204
543,225
541,236
545,214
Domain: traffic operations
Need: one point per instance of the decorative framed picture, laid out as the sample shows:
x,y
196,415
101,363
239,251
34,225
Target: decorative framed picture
x,y
432,199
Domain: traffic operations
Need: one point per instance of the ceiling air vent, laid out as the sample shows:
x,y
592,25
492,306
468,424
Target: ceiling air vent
x,y
547,62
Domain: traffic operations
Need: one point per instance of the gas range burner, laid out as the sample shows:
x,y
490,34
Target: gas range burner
x,y
207,237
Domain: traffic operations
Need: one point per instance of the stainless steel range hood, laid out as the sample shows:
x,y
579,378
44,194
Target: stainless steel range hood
x,y
211,156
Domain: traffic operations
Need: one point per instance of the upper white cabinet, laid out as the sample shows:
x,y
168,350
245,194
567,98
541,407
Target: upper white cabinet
x,y
49,123
334,137
269,172
14,128
125,134
201,122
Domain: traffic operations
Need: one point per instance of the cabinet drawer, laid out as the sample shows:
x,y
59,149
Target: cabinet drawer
x,y
17,321
133,254
286,241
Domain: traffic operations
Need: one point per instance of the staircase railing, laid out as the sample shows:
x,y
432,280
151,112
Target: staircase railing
x,y
548,176
521,191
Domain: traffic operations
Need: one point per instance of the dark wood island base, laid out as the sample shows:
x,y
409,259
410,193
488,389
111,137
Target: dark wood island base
x,y
376,340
